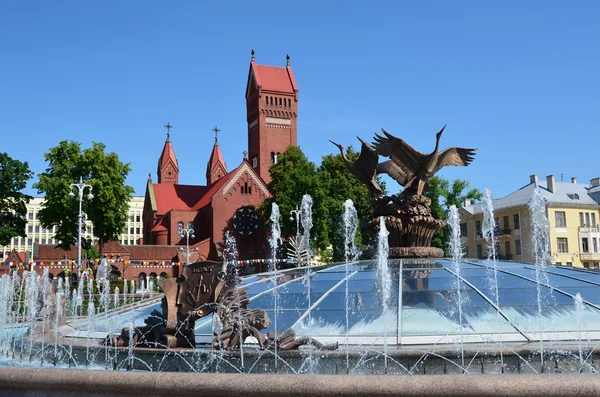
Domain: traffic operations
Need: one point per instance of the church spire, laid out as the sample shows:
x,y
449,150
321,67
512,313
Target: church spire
x,y
216,167
168,167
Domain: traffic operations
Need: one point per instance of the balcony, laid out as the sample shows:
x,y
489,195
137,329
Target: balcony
x,y
497,233
590,256
588,229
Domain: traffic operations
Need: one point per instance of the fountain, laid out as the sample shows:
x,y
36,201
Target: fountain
x,y
406,312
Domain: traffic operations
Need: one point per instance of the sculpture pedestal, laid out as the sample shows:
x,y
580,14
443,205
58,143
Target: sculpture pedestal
x,y
410,225
416,252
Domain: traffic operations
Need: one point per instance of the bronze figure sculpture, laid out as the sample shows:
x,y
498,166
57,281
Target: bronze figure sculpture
x,y
364,167
418,167
205,288
408,215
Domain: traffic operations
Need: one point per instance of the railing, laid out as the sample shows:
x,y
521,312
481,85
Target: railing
x,y
590,256
588,229
497,232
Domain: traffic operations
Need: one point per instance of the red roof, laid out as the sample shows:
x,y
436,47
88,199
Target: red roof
x,y
153,252
176,197
216,157
214,188
159,225
273,78
22,256
167,154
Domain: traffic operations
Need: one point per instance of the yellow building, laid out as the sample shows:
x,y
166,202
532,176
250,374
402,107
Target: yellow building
x,y
573,211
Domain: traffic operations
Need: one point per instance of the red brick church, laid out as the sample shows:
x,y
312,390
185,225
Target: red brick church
x,y
229,198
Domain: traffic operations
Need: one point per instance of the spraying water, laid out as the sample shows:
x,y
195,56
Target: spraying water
x,y
457,254
231,255
541,251
489,228
350,255
385,280
274,242
579,312
103,283
307,224
116,297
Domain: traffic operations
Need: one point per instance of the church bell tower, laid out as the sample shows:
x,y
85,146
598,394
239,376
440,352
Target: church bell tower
x,y
271,112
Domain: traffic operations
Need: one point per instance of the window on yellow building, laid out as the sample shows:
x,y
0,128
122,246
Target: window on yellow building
x,y
585,247
518,247
505,221
562,244
516,220
581,221
587,219
561,219
595,244
593,220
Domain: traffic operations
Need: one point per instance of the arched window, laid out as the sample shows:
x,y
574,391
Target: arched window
x,y
273,158
266,100
289,102
279,101
180,228
191,226
142,281
271,100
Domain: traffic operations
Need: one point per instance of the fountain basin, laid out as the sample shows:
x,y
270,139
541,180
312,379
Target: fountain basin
x,y
50,382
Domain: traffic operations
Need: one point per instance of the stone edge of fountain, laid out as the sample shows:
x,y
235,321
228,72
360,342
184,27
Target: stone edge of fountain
x,y
55,382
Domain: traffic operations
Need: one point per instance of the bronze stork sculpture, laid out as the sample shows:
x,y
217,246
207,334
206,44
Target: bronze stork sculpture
x,y
364,167
407,216
415,167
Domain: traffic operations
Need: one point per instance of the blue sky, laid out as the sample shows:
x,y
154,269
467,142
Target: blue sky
x,y
517,80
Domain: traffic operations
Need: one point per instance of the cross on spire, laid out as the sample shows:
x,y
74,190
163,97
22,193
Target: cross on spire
x,y
216,130
168,127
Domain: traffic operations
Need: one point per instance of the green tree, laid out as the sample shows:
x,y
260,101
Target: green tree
x,y
14,175
340,185
107,211
443,195
292,177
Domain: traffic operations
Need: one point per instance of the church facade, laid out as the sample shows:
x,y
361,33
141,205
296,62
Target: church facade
x,y
203,213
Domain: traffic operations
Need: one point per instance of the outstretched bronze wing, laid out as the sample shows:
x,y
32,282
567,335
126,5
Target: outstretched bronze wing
x,y
454,156
401,153
395,172
366,164
368,157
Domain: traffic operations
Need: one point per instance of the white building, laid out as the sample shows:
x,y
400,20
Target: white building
x,y
40,235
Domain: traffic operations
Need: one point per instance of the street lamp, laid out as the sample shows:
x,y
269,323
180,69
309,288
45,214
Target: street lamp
x,y
187,233
80,188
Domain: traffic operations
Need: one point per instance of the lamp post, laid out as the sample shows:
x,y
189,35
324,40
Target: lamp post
x,y
187,233
80,189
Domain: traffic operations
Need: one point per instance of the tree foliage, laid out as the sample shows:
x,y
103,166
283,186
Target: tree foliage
x,y
292,177
340,185
443,195
14,175
107,211
329,185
